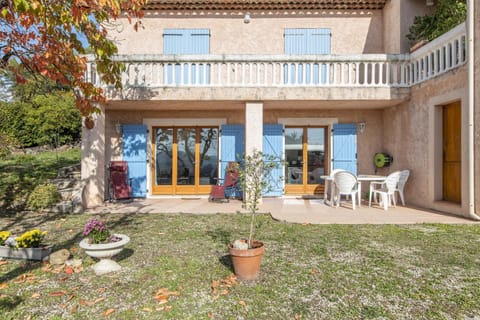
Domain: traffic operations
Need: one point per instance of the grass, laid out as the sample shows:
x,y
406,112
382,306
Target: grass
x,y
308,271
19,174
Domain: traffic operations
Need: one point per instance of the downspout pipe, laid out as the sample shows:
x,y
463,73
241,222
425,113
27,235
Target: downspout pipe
x,y
471,107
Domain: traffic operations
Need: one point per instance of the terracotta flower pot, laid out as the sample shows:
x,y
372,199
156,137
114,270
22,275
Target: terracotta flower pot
x,y
246,262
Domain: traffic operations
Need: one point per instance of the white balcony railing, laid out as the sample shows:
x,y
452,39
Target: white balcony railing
x,y
445,53
366,70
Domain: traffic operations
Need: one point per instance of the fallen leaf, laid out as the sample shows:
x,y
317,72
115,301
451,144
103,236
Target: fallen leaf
x,y
101,290
57,293
71,297
36,295
73,309
298,316
68,270
3,262
147,310
224,292
209,315
3,285
313,271
164,308
108,312
242,303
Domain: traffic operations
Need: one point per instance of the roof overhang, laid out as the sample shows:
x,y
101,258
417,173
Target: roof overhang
x,y
178,5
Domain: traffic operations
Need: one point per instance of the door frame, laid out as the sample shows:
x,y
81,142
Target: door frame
x,y
305,187
173,122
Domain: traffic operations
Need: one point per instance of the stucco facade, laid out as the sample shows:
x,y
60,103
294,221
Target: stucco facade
x,y
370,81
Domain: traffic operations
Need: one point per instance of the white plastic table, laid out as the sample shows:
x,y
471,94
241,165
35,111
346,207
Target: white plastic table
x,y
366,177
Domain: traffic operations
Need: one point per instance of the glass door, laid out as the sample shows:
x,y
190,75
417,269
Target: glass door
x,y
305,154
185,160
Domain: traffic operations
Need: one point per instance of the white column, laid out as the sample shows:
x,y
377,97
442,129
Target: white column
x,y
93,162
253,126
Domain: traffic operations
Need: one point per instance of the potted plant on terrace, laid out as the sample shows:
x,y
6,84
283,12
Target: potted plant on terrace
x,y
99,243
246,254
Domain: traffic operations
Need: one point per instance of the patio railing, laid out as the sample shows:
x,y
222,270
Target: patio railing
x,y
365,70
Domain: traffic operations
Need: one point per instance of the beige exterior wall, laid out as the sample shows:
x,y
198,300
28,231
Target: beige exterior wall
x,y
413,136
477,107
353,32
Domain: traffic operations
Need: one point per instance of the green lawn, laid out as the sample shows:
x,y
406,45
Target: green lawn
x,y
19,174
308,271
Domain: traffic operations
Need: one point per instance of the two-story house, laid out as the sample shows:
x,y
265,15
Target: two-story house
x,y
320,84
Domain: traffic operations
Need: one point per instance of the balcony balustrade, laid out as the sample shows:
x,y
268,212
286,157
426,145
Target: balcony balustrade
x,y
293,71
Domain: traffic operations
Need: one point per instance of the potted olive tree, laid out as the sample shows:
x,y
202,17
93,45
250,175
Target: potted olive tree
x,y
247,254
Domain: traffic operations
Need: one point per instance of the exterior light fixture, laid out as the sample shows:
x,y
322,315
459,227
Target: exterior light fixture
x,y
361,127
118,128
247,18
430,3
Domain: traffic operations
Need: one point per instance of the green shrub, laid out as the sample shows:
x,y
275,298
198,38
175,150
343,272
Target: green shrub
x,y
43,196
448,14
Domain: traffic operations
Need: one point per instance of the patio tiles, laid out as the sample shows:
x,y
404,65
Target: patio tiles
x,y
293,210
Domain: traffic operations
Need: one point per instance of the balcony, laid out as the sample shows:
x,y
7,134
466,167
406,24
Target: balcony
x,y
368,77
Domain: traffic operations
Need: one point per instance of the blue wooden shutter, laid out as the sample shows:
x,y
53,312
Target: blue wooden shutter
x,y
273,146
232,147
187,41
302,42
134,150
345,147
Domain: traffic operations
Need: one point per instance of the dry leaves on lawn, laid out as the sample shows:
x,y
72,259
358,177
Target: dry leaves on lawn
x,y
108,312
220,287
163,294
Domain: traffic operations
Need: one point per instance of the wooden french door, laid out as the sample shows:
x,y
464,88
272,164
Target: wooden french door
x,y
185,159
452,152
305,155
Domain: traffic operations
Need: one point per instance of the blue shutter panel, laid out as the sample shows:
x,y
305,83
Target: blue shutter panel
x,y
232,147
345,147
134,150
187,41
273,146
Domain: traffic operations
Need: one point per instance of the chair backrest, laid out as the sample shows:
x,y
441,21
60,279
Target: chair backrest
x,y
392,180
335,171
231,175
345,182
404,174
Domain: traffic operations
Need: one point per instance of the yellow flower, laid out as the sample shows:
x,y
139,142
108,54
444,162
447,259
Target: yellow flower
x,y
4,236
31,239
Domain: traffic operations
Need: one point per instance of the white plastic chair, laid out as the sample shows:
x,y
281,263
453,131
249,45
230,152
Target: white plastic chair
x,y
404,174
328,191
345,183
386,189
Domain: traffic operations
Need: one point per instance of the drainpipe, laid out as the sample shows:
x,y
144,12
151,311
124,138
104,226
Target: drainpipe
x,y
471,107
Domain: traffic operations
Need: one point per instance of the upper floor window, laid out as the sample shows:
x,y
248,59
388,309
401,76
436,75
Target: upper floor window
x,y
186,41
307,41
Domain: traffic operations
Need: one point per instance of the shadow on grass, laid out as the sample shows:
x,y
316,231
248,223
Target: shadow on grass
x,y
220,235
9,302
226,260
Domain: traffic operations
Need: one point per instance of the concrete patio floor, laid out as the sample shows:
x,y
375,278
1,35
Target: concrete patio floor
x,y
293,210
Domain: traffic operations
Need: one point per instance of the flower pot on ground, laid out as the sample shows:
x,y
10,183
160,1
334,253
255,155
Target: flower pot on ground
x,y
247,254
105,252
27,246
100,244
246,261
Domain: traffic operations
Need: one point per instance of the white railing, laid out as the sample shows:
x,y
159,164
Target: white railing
x,y
443,54
151,71
365,70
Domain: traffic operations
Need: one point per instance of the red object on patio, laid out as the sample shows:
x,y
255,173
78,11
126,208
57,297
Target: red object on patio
x,y
119,186
229,188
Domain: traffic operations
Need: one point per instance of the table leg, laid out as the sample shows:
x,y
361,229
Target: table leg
x,y
359,194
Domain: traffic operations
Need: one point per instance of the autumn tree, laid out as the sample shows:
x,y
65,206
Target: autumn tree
x,y
49,38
